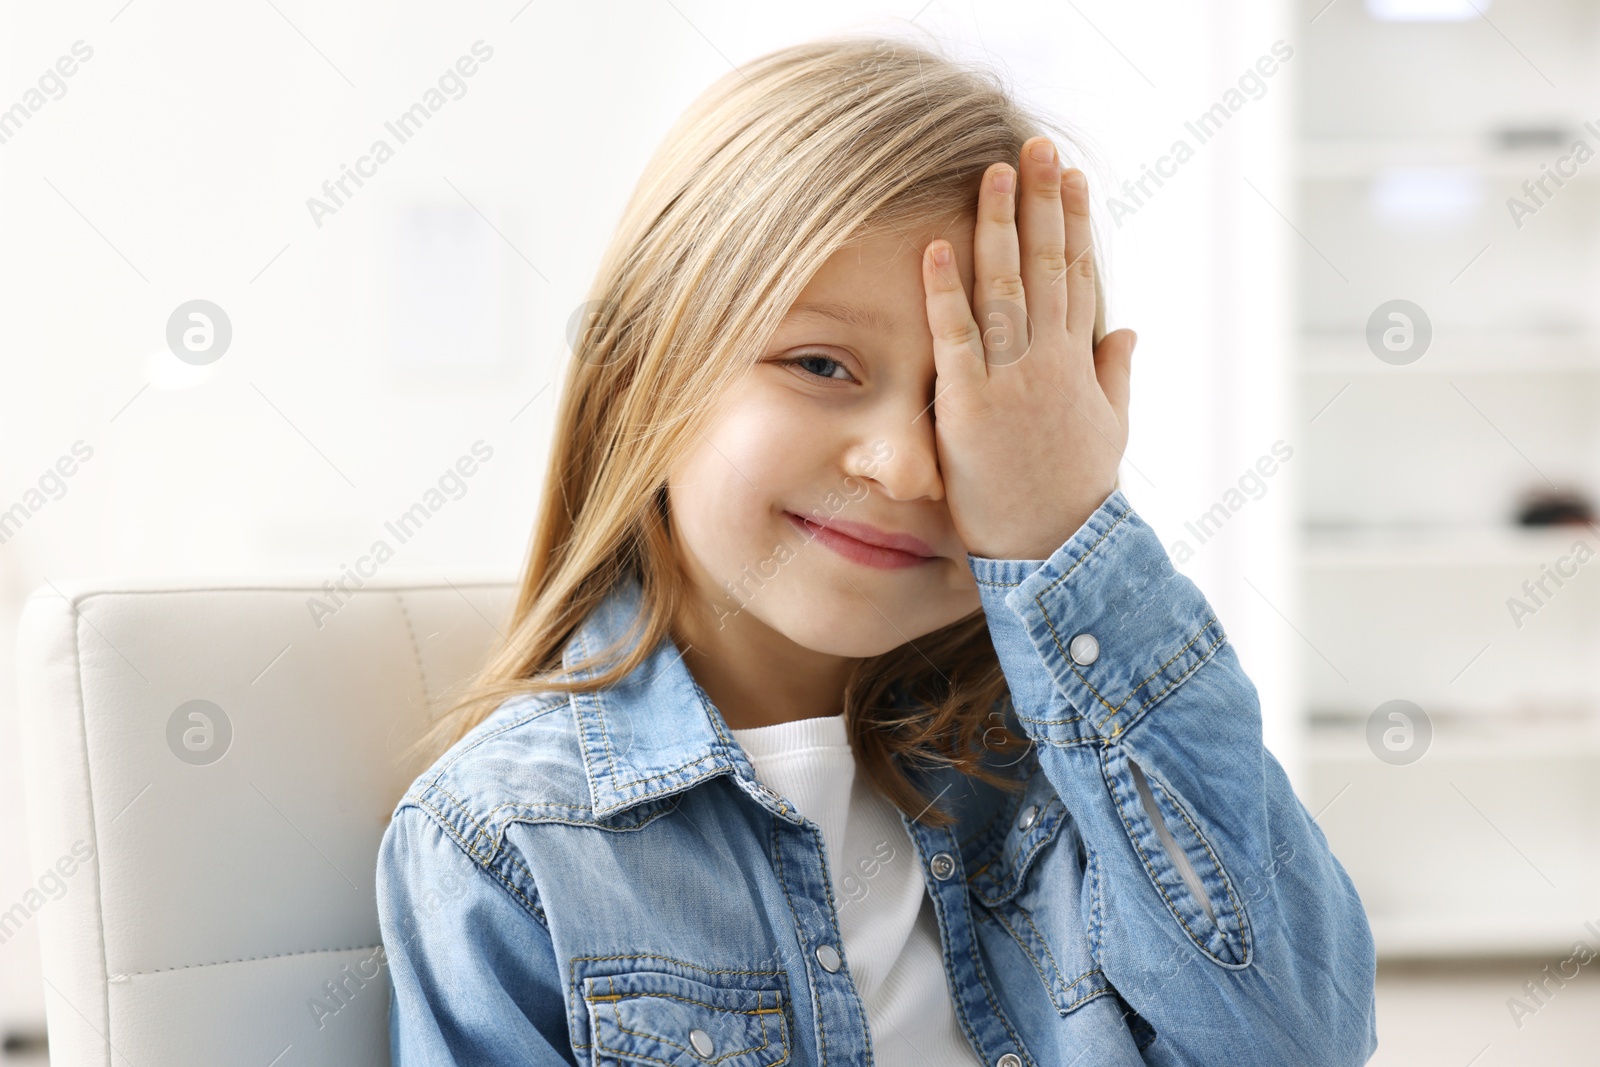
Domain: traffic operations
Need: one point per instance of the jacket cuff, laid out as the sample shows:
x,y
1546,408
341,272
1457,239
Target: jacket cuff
x,y
1105,624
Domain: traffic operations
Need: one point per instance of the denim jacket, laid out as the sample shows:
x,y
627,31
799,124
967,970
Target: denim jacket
x,y
600,879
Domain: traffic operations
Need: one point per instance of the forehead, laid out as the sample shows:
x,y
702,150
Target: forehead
x,y
875,282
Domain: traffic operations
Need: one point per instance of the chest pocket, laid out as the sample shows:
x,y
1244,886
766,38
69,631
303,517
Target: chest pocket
x,y
1052,918
686,1016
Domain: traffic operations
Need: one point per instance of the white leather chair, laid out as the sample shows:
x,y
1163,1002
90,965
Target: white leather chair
x,y
211,891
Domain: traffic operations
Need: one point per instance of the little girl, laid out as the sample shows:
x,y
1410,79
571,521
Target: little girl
x,y
849,713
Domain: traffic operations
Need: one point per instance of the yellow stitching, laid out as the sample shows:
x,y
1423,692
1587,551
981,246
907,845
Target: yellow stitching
x,y
1085,976
1054,966
1145,859
510,854
1049,722
1087,553
816,997
977,964
1018,860
466,813
444,825
1088,996
667,959
1056,638
675,770
616,1019
949,974
1155,878
576,997
605,735
1227,883
1050,986
1205,657
1021,858
691,1000
1078,742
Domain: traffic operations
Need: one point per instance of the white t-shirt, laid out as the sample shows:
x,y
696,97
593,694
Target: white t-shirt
x,y
890,933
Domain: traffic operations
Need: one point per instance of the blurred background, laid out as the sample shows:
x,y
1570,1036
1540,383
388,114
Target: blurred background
x,y
1358,240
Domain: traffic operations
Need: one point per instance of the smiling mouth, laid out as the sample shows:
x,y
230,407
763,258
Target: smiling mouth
x,y
855,550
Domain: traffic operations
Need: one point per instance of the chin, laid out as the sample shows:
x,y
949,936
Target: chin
x,y
840,624
847,641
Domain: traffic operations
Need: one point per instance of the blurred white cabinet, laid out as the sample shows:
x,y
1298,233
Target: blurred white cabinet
x,y
1417,144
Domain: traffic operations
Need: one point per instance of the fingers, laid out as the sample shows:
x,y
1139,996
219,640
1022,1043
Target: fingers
x,y
957,349
1113,369
1041,231
1079,254
1001,302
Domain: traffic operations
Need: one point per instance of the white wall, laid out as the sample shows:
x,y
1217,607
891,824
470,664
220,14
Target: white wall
x,y
429,311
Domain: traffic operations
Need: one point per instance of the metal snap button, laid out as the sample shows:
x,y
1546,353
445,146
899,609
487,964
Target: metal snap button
x,y
828,956
1010,1059
1084,649
1030,815
702,1043
942,866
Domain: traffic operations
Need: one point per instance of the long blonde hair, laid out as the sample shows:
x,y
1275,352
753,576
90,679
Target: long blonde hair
x,y
773,168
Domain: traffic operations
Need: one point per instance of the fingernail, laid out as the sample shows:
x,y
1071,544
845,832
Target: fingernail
x,y
1044,152
941,254
1003,179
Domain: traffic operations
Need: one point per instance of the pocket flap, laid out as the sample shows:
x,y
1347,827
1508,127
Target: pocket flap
x,y
731,1018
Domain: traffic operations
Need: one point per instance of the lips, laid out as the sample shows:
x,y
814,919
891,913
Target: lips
x,y
865,544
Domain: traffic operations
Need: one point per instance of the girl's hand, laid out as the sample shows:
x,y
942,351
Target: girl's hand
x,y
1029,431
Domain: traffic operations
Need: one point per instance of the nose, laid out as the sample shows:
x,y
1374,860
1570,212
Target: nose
x,y
899,454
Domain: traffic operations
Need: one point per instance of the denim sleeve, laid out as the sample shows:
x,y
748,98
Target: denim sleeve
x,y
472,969
1216,909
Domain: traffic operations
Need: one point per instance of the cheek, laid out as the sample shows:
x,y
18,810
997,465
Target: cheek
x,y
726,497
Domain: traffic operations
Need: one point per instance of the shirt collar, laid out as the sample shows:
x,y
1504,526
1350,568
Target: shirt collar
x,y
653,733
656,732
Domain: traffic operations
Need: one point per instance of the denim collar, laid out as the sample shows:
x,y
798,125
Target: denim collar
x,y
653,733
656,733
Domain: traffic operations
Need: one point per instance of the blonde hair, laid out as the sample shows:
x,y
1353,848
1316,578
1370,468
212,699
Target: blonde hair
x,y
772,169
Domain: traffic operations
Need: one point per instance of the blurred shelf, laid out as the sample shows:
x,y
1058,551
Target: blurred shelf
x,y
1507,933
1362,158
1568,732
1346,355
1484,846
1442,547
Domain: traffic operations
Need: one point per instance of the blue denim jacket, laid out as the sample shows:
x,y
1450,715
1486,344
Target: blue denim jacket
x,y
591,879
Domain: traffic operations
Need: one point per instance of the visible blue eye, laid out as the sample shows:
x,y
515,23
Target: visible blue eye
x,y
814,358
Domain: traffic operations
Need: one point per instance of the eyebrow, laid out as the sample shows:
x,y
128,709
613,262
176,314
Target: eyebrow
x,y
851,314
